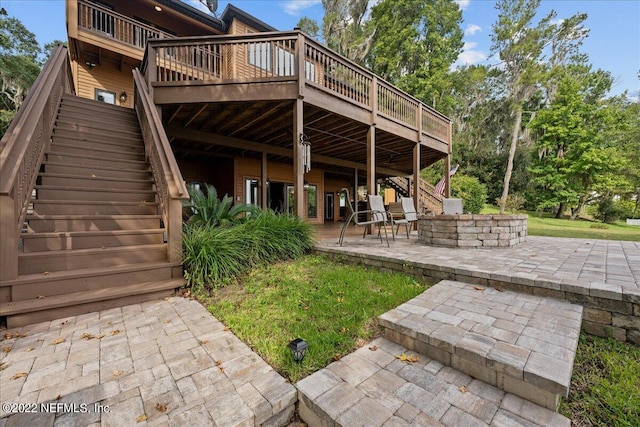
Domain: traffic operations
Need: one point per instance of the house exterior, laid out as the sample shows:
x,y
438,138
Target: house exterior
x,y
91,193
235,109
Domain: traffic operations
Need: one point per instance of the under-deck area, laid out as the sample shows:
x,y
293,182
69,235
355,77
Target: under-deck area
x,y
282,97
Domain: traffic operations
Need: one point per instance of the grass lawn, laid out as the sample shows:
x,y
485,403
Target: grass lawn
x,y
605,387
546,225
333,307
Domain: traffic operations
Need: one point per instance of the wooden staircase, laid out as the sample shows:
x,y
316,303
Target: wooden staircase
x,y
428,198
94,238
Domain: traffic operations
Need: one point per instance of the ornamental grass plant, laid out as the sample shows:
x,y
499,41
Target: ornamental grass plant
x,y
215,255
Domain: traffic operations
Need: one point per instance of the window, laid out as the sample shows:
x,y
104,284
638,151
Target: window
x,y
260,55
251,192
106,96
312,201
310,71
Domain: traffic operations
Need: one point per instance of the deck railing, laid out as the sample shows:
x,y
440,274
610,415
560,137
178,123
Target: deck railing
x,y
22,150
168,180
276,56
107,23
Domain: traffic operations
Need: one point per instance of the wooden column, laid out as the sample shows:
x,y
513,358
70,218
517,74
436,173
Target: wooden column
x,y
371,160
263,182
298,167
8,243
416,178
447,178
355,192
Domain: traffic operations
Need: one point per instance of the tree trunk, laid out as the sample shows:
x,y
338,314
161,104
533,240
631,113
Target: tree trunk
x,y
512,153
561,209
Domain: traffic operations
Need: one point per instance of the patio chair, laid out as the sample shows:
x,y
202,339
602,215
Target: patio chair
x,y
409,215
378,216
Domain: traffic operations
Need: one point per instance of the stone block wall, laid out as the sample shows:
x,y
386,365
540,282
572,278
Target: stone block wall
x,y
472,231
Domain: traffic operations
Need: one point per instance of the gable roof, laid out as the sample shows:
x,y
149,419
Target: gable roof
x,y
231,12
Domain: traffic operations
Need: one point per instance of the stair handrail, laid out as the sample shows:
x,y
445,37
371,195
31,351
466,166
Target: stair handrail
x,y
160,140
22,151
170,187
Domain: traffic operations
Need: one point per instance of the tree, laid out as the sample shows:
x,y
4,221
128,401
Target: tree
x,y
344,29
19,66
414,46
309,26
578,158
521,47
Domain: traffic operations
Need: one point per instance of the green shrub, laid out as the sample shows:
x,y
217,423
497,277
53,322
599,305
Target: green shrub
x,y
215,255
471,191
610,211
515,202
204,207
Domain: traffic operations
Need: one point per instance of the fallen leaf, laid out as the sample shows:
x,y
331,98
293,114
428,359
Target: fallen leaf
x,y
115,332
64,323
218,362
19,375
8,336
166,321
306,307
340,300
117,373
99,336
162,407
47,273
6,349
141,418
3,366
407,358
59,397
337,357
29,349
40,296
463,389
226,328
58,341
203,342
344,330
107,324
373,348
93,175
499,289
87,336
221,369
478,288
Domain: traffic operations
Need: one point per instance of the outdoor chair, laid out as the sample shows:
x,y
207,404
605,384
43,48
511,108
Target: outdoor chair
x,y
409,215
378,216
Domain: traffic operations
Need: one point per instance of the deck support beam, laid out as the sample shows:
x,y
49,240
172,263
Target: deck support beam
x,y
298,167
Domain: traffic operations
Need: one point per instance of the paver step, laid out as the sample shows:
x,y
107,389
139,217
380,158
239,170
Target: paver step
x,y
373,387
523,344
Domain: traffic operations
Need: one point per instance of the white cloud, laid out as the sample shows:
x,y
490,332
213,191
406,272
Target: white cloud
x,y
469,55
295,7
463,4
472,29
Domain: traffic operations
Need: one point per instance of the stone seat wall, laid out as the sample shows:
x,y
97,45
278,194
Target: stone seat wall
x,y
481,231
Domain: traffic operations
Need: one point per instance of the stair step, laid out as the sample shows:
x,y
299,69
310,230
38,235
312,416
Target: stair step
x,y
371,386
105,152
110,139
86,103
102,121
20,313
47,262
30,286
89,160
61,169
89,132
88,207
62,223
523,344
91,179
87,112
123,146
57,241
94,194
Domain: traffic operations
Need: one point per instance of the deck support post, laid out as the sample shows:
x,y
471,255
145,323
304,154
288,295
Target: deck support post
x,y
298,167
263,182
355,191
447,178
416,179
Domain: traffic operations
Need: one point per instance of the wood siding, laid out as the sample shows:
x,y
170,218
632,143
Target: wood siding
x,y
107,77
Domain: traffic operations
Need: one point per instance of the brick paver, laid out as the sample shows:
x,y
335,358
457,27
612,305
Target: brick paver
x,y
424,392
167,362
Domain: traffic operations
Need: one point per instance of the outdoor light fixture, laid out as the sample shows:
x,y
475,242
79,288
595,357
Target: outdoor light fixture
x,y
123,97
158,9
90,64
298,349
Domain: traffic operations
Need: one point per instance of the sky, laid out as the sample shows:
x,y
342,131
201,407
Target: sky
x,y
613,43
